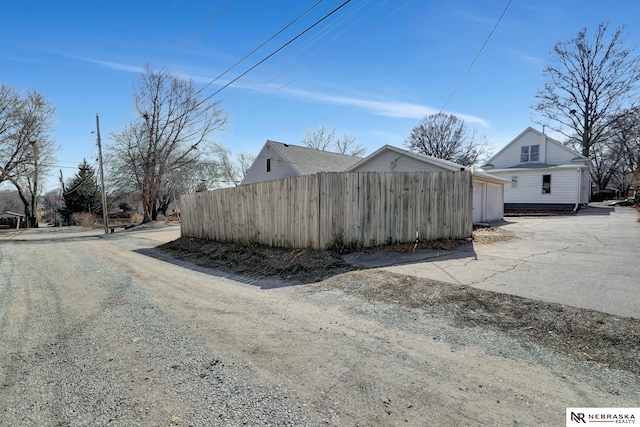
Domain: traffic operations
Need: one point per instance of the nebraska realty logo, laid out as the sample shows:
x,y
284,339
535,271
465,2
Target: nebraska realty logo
x,y
602,415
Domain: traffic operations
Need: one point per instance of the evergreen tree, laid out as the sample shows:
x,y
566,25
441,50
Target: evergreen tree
x,y
82,193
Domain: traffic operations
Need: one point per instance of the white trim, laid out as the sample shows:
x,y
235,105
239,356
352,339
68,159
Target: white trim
x,y
420,157
539,169
542,135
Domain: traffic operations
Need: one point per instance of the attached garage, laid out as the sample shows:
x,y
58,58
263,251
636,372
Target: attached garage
x,y
488,197
488,190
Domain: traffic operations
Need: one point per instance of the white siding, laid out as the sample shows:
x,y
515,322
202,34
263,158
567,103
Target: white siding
x,y
280,168
563,186
558,155
551,152
383,163
511,155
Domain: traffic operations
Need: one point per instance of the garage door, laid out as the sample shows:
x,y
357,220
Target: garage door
x,y
494,202
478,202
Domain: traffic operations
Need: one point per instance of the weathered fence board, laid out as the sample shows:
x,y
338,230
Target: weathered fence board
x,y
318,211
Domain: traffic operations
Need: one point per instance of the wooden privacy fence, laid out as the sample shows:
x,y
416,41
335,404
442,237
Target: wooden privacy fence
x,y
327,209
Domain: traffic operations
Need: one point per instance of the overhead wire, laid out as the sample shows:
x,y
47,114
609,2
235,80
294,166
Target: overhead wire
x,y
335,52
338,50
309,28
69,191
208,20
306,44
260,46
470,65
476,57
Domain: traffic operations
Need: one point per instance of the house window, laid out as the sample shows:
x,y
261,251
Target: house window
x,y
514,182
268,165
546,184
529,153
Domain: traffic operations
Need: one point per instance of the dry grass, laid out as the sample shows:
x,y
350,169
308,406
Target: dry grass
x,y
587,335
136,218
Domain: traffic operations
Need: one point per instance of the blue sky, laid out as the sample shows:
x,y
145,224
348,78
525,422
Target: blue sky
x,y
373,69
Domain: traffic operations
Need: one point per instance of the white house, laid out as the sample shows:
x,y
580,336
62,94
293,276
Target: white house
x,y
488,190
543,174
278,160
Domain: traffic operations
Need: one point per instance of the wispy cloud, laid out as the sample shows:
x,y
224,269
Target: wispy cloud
x,y
528,58
387,108
107,64
397,109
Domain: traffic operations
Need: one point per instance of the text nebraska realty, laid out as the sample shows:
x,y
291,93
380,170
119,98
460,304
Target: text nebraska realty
x,y
612,418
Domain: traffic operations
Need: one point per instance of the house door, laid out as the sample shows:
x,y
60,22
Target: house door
x,y
478,201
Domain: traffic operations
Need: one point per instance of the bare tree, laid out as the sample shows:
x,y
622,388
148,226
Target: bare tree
x,y
173,131
591,83
26,149
124,161
327,140
13,148
10,201
604,164
233,172
125,170
34,123
447,137
626,142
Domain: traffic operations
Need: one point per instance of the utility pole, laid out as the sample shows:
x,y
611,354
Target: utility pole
x,y
104,194
58,203
62,181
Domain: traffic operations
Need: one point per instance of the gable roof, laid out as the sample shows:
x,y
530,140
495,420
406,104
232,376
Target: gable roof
x,y
577,156
309,161
9,214
446,164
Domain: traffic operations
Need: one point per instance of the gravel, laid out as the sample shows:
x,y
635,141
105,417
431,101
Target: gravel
x,y
123,362
93,333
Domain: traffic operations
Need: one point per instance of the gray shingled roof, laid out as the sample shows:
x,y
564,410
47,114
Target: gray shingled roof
x,y
309,161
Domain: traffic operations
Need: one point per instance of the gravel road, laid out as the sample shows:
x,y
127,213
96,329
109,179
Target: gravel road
x,y
83,345
95,332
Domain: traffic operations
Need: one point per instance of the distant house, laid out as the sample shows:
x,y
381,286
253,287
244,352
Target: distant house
x,y
543,174
277,160
173,208
488,190
12,220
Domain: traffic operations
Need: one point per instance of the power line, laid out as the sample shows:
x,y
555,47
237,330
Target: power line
x,y
331,55
471,65
276,51
335,52
476,57
260,46
300,48
205,24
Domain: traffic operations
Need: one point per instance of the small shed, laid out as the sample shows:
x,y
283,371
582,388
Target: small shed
x,y
12,220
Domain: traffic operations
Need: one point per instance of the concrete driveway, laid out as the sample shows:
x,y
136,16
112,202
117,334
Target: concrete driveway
x,y
591,260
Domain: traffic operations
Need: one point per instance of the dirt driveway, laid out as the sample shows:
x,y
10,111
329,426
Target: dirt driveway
x,y
84,346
